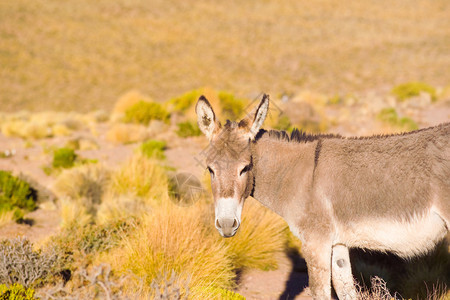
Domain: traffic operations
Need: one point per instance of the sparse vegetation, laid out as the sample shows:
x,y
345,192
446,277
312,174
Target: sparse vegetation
x,y
64,158
412,89
390,117
143,112
188,128
153,149
79,243
16,196
185,101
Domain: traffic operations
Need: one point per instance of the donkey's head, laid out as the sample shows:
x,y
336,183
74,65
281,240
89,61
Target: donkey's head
x,y
229,161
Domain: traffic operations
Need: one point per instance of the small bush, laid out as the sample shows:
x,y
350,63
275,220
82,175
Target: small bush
x,y
16,195
143,112
126,101
188,128
16,292
185,101
232,107
19,263
153,148
84,186
77,245
64,158
411,89
390,117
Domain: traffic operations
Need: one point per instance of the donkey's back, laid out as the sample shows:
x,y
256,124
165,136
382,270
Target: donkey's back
x,y
387,192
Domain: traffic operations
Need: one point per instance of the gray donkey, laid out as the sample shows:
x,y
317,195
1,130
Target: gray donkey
x,y
387,192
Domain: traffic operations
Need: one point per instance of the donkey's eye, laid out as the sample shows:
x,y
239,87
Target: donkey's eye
x,y
210,171
245,169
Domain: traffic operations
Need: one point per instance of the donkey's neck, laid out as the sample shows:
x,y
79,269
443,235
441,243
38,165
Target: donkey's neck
x,y
283,172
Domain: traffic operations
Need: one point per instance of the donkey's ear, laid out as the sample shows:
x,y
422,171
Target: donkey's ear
x,y
254,121
206,118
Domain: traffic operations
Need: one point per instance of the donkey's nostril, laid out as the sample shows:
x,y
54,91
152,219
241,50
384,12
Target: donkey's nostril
x,y
235,223
218,224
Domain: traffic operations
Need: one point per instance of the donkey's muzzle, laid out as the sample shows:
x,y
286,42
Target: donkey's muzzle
x,y
227,227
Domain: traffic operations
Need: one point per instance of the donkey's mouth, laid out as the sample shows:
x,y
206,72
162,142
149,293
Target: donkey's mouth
x,y
227,227
228,235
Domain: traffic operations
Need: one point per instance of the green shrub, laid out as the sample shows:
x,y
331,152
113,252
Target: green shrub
x,y
143,112
16,292
407,124
64,158
154,148
232,107
411,89
16,194
390,117
188,128
185,101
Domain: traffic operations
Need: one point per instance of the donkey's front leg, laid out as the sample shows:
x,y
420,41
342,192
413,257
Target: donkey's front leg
x,y
341,273
318,260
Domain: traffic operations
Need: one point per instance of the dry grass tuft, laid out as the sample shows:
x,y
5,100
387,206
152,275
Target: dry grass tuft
x,y
135,188
81,190
169,241
259,238
142,177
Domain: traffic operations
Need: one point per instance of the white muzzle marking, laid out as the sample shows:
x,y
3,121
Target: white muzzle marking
x,y
228,216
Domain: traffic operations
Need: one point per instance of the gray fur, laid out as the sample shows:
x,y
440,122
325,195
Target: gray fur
x,y
387,192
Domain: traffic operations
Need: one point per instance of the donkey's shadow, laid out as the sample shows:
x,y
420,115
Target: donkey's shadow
x,y
417,278
298,277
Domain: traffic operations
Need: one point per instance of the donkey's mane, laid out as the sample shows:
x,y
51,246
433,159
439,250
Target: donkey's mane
x,y
299,136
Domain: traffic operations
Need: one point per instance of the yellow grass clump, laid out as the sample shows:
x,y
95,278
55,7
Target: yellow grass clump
x,y
142,177
81,190
260,236
140,184
175,239
74,212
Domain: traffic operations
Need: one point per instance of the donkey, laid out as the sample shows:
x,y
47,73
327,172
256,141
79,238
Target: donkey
x,y
385,192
